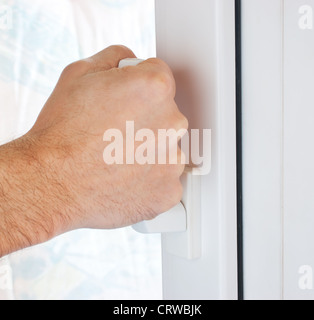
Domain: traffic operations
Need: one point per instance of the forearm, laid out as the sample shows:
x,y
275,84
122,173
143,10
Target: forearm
x,y
28,213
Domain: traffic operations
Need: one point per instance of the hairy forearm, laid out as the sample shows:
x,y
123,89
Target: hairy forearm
x,y
29,202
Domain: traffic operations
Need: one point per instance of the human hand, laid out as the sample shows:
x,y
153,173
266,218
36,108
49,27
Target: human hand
x,y
92,96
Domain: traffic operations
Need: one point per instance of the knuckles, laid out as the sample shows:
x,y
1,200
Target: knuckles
x,y
158,83
178,122
120,50
75,69
182,122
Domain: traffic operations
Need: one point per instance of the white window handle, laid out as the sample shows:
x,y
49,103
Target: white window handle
x,y
173,220
129,62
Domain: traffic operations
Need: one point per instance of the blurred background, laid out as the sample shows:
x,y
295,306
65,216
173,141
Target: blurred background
x,y
38,38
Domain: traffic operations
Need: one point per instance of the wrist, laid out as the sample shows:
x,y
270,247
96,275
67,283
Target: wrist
x,y
29,213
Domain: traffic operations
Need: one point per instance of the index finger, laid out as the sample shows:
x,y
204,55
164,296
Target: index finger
x,y
109,58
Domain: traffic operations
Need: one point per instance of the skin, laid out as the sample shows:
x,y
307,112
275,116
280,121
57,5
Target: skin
x,y
54,178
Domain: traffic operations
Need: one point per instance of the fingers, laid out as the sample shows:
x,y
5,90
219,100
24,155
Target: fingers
x,y
155,64
159,73
109,58
153,72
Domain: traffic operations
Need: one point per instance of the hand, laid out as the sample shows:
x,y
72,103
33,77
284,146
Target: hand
x,y
93,95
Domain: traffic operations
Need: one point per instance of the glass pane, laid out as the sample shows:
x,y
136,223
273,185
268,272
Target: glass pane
x,y
37,40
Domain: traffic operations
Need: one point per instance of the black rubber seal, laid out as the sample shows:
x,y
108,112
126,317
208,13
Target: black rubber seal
x,y
238,29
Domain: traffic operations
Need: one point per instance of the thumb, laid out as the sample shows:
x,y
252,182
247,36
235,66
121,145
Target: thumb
x,y
109,58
